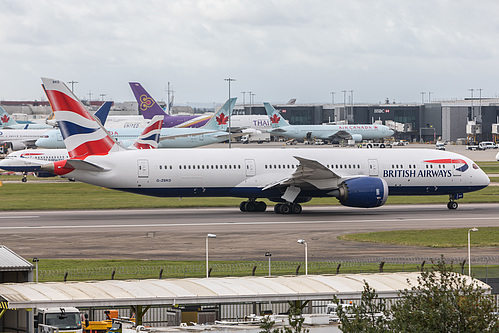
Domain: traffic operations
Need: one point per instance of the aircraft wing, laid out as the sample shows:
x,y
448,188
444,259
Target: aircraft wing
x,y
30,142
309,173
171,137
341,135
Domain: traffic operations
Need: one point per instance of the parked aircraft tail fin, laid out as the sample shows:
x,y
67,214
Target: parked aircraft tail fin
x,y
276,119
6,119
147,105
220,120
149,139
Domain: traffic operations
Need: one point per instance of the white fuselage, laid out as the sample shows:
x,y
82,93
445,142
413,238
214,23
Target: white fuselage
x,y
30,160
326,132
21,138
246,172
169,138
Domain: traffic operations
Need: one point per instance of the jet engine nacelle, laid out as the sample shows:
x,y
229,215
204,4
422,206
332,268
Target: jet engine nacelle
x,y
16,145
363,192
357,137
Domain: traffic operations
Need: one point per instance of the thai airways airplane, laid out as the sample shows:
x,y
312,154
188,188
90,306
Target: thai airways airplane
x,y
7,122
212,132
287,176
31,160
356,132
149,108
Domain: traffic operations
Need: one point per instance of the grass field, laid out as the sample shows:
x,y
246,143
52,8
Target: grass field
x,y
73,195
430,238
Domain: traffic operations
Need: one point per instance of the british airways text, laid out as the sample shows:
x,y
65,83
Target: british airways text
x,y
416,173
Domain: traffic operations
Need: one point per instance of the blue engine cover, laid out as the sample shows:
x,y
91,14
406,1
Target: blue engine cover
x,y
363,192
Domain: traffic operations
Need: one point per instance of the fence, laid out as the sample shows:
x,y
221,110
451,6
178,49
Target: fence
x,y
483,268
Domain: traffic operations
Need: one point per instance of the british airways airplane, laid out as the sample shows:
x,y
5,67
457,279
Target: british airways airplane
x,y
357,132
286,176
31,160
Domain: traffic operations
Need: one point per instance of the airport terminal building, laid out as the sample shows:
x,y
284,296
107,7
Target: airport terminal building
x,y
469,119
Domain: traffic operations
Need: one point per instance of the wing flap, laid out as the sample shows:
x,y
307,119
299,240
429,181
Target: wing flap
x,y
309,173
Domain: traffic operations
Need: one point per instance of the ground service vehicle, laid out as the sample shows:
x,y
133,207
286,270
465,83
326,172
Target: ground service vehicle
x,y
484,145
65,319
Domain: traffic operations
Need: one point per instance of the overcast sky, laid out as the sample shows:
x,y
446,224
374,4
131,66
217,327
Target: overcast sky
x,y
278,49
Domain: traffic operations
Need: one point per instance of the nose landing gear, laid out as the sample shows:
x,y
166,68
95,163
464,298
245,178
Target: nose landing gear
x,y
452,204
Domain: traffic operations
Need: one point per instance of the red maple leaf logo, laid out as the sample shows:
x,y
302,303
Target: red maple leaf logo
x,y
222,119
275,119
5,119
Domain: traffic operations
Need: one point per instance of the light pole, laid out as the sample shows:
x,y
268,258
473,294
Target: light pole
x,y
208,236
36,260
244,101
422,97
102,96
268,254
229,80
302,241
332,97
469,250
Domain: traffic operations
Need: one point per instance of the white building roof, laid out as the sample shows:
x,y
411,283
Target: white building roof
x,y
203,290
9,261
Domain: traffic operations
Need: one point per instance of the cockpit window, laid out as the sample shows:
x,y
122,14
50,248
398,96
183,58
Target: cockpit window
x,y
475,166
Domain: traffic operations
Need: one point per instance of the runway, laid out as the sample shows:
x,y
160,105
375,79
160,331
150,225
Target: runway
x,y
179,234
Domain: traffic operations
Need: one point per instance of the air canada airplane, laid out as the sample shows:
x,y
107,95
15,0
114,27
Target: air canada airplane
x,y
357,132
6,121
31,160
286,176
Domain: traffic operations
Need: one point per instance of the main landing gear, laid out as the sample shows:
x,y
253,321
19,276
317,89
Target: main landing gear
x,y
452,205
24,179
252,206
287,208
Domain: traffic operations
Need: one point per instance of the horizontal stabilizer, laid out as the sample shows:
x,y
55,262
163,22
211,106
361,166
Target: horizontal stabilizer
x,y
86,166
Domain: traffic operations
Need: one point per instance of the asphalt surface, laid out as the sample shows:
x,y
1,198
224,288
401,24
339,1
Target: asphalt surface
x,y
179,234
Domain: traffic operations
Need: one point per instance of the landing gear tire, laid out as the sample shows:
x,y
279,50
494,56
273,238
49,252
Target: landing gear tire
x,y
261,206
296,209
24,179
252,206
452,205
285,209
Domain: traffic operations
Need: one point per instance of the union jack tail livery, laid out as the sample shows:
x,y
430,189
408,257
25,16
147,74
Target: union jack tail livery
x,y
83,135
149,138
276,120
